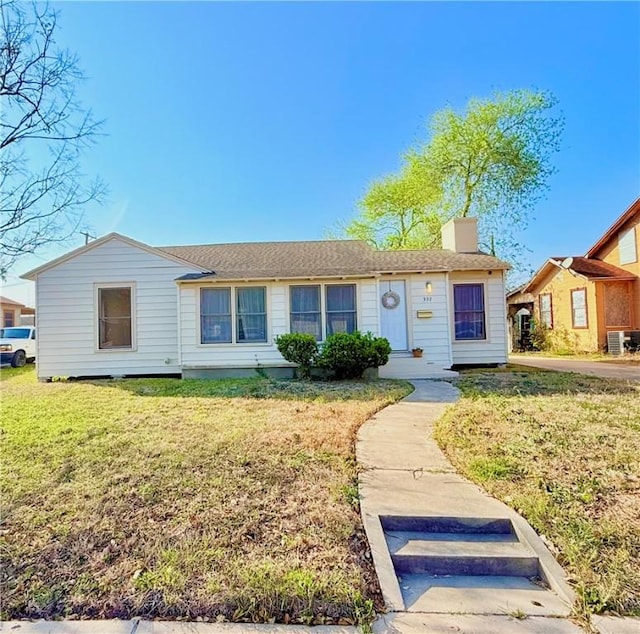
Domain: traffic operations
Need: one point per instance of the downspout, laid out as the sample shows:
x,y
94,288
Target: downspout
x,y
448,302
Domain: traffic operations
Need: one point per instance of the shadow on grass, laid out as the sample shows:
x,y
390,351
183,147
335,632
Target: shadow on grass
x,y
260,388
533,382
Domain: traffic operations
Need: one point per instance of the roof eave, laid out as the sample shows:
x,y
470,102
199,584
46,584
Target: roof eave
x,y
33,273
613,229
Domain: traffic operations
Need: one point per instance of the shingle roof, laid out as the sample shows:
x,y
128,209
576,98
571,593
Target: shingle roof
x,y
594,269
327,258
6,300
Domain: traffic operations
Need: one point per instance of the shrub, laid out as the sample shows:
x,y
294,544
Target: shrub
x,y
299,348
347,356
558,339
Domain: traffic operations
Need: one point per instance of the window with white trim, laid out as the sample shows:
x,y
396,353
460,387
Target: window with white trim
x,y
627,246
305,311
579,308
251,314
340,308
546,310
115,329
215,315
233,315
468,310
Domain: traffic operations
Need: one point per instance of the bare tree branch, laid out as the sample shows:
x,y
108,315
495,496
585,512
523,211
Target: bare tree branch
x,y
43,132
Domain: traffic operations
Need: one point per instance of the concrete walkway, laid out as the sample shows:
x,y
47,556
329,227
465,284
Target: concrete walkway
x,y
595,368
406,474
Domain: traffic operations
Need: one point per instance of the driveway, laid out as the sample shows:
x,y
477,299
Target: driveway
x,y
596,368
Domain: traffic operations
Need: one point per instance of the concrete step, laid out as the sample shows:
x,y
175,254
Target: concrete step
x,y
408,367
478,594
467,565
445,524
458,546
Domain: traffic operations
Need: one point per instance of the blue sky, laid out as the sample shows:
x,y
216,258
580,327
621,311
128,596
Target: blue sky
x,y
234,122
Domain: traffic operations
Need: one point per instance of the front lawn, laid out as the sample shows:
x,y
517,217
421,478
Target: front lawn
x,y
229,500
564,451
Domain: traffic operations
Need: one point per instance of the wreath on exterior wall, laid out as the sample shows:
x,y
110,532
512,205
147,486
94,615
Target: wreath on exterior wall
x,y
391,300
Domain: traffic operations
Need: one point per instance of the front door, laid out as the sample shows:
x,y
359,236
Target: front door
x,y
393,314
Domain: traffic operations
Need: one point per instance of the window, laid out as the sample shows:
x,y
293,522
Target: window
x,y
546,310
579,308
215,315
9,319
251,314
468,310
114,318
341,308
305,310
219,313
627,246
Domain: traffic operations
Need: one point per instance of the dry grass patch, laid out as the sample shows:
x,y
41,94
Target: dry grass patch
x,y
167,498
564,450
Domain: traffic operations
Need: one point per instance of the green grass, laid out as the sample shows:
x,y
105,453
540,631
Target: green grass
x,y
564,451
164,498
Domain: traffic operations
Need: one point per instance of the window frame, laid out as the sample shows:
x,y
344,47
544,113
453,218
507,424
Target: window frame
x,y
583,289
234,298
629,234
485,336
318,312
98,286
238,315
5,313
326,307
231,298
550,296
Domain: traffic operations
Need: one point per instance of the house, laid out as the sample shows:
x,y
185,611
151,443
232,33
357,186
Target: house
x,y
587,297
14,313
119,307
519,314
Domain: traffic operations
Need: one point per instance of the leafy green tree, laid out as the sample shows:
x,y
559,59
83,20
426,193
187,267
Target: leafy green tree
x,y
492,161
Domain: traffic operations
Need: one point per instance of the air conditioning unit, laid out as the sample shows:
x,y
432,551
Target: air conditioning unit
x,y
615,342
619,342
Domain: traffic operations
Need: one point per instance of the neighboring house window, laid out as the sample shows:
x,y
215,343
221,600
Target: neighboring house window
x,y
468,309
627,246
579,308
215,315
251,314
341,308
306,316
546,310
114,321
9,319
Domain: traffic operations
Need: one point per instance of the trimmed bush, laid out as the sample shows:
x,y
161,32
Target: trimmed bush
x,y
301,349
347,356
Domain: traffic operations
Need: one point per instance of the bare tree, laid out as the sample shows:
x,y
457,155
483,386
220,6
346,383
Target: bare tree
x,y
43,133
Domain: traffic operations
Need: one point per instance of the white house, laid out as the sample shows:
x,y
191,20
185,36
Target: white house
x,y
117,307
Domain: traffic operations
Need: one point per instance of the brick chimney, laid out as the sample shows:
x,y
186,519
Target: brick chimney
x,y
460,235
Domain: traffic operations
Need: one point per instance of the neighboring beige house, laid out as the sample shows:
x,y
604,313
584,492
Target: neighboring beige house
x,y
593,295
14,313
120,307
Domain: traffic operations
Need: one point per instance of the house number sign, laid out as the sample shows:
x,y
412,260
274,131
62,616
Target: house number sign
x,y
391,300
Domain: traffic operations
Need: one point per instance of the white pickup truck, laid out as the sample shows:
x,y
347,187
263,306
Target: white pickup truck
x,y
17,345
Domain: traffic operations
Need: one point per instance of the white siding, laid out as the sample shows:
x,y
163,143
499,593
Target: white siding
x,y
493,349
431,333
67,320
195,354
